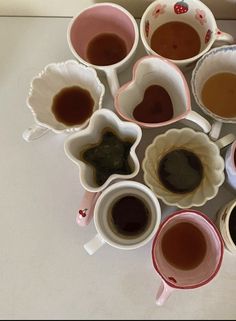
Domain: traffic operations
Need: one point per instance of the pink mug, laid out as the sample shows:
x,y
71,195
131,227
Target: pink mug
x,y
175,277
100,19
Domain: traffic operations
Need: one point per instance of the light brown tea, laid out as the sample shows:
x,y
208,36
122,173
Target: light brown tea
x,y
106,49
184,246
176,40
156,106
72,105
219,94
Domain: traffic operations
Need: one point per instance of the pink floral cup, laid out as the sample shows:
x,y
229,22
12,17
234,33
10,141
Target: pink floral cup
x,y
194,13
174,278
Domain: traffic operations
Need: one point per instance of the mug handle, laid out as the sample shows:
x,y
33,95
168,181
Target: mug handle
x,y
112,80
199,120
225,141
34,132
163,293
215,130
86,209
223,38
92,246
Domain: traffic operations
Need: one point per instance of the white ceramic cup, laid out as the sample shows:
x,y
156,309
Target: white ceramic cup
x,y
199,144
223,219
217,60
230,165
77,143
155,70
99,19
194,13
105,234
47,84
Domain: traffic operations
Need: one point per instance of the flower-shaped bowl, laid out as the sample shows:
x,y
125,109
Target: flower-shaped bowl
x,y
51,81
208,153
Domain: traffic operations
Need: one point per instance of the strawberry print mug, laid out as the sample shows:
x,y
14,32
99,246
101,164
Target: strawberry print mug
x,y
191,12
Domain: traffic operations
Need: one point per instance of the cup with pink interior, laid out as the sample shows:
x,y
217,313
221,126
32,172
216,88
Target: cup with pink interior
x,y
187,252
104,36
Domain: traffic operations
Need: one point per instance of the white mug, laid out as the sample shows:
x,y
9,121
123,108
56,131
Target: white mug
x,y
106,234
217,60
99,19
194,13
223,220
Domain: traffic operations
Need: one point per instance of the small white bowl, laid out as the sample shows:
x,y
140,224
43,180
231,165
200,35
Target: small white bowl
x,y
51,81
198,143
76,143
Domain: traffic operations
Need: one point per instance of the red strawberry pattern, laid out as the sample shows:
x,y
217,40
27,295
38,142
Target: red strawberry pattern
x,y
208,36
181,7
83,212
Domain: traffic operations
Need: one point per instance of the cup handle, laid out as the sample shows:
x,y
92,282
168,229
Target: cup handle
x,y
199,120
223,38
86,209
92,246
225,141
112,80
215,130
34,132
163,293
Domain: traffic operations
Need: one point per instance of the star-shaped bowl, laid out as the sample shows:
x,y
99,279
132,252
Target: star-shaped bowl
x,y
78,142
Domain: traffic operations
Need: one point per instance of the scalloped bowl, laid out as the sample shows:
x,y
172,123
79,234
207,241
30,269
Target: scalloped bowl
x,y
196,142
51,81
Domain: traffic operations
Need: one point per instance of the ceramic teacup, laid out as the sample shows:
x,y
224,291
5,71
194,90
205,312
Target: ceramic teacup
x,y
230,165
226,221
218,60
77,143
193,174
192,12
205,250
97,20
107,232
51,81
149,71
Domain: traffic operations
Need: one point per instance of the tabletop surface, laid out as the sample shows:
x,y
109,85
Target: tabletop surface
x,y
45,272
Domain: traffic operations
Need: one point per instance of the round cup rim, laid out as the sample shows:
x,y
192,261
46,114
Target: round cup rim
x,y
183,61
204,216
118,64
193,81
153,199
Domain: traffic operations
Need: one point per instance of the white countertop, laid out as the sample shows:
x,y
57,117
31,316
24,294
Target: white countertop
x,y
45,272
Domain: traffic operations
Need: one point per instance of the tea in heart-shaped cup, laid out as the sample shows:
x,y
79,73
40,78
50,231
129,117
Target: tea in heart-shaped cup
x,y
111,152
158,95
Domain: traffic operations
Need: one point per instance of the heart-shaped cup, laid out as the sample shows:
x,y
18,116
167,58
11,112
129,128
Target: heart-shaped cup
x,y
153,70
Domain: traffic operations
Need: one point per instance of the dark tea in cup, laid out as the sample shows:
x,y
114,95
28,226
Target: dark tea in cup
x,y
129,216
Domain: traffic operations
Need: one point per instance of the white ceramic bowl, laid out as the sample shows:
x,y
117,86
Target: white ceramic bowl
x,y
51,81
196,142
77,142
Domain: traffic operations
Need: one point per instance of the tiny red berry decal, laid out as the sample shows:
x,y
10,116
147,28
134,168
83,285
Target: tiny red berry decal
x,y
208,36
181,7
83,212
